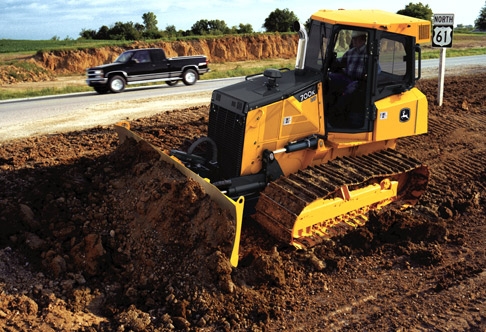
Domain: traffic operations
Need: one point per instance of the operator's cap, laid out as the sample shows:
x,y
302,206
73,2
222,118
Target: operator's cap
x,y
357,33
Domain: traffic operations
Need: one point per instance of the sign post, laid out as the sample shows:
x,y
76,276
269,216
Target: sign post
x,y
442,30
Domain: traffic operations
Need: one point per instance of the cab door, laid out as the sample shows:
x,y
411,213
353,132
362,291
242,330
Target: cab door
x,y
401,109
350,78
161,65
140,66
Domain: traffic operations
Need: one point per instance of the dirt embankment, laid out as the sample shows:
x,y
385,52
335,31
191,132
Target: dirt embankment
x,y
224,49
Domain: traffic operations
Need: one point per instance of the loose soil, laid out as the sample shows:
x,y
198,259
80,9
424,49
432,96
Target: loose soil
x,y
98,236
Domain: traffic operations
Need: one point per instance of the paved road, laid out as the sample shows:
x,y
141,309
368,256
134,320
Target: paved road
x,y
17,110
473,60
26,117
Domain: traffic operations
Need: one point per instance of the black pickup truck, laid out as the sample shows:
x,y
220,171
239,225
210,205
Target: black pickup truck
x,y
145,66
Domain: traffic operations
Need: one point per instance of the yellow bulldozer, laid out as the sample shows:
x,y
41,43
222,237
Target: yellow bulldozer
x,y
308,152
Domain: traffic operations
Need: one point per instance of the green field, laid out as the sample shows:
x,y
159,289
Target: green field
x,y
33,46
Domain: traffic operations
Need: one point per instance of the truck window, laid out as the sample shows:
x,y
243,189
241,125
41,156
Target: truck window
x,y
141,56
158,55
124,57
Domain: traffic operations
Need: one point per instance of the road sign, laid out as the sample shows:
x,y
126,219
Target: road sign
x,y
442,29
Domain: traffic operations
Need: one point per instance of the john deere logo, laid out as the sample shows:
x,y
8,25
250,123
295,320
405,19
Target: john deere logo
x,y
405,115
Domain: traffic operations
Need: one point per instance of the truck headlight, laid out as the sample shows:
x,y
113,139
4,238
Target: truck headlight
x,y
94,73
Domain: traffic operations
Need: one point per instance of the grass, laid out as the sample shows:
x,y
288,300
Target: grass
x,y
33,46
22,70
463,44
50,91
454,52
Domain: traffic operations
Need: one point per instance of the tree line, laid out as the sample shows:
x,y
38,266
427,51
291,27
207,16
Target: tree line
x,y
279,20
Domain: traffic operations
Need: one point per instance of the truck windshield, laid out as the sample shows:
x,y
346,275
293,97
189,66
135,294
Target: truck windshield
x,y
124,57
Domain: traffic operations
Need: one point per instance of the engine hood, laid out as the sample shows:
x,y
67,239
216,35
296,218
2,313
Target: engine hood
x,y
257,91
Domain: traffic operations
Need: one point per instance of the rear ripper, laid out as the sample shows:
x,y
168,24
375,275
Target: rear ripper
x,y
146,66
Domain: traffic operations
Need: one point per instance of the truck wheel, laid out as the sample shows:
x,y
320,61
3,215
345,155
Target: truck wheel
x,y
172,83
117,84
189,77
101,89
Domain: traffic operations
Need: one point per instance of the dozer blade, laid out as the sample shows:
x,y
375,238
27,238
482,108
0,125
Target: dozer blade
x,y
327,200
235,208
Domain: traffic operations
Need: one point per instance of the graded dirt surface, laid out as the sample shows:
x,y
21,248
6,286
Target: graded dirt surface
x,y
98,236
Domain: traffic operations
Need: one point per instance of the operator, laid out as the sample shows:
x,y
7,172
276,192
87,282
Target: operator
x,y
353,64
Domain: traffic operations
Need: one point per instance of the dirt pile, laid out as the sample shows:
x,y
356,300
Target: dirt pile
x,y
95,236
11,74
224,49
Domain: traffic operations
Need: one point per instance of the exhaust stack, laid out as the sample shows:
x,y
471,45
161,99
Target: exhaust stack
x,y
302,46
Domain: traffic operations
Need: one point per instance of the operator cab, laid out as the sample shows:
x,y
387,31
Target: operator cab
x,y
360,66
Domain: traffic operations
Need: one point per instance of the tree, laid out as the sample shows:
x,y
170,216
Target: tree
x,y
244,28
217,27
209,27
103,33
88,34
417,10
280,21
139,27
171,31
149,27
124,31
200,28
150,21
480,22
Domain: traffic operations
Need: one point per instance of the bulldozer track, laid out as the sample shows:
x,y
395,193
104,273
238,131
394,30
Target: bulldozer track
x,y
281,205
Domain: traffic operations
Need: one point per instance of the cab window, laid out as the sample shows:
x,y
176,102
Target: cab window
x,y
141,56
393,61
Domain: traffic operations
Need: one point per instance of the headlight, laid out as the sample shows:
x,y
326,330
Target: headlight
x,y
94,72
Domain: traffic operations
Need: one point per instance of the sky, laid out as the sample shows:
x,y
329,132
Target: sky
x,y
43,20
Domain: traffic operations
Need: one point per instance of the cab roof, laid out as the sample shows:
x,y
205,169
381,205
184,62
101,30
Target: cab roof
x,y
379,20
